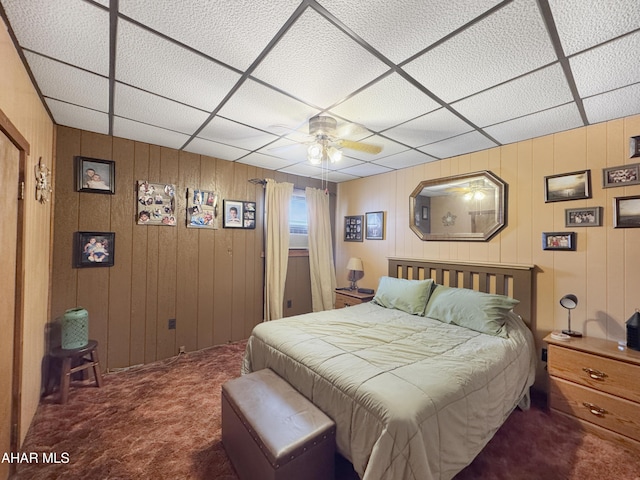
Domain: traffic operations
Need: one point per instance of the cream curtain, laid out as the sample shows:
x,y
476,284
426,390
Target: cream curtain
x,y
277,200
323,273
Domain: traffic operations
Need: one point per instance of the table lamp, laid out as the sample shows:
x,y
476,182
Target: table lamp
x,y
354,266
570,301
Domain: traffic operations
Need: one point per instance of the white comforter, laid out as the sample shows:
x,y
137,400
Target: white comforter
x,y
412,398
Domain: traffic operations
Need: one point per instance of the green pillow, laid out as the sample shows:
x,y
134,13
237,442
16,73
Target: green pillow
x,y
410,296
482,312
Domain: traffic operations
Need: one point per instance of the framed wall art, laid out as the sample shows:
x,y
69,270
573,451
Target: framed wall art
x,y
95,176
634,147
353,228
583,217
239,214
567,186
621,176
626,212
94,249
156,203
202,209
559,240
374,226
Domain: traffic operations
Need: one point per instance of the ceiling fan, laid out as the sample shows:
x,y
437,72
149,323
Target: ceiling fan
x,y
327,140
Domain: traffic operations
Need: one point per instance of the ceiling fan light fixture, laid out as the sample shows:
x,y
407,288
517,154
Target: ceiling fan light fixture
x,y
335,155
314,153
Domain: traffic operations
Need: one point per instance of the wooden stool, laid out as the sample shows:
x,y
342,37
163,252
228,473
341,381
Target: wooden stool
x,y
67,357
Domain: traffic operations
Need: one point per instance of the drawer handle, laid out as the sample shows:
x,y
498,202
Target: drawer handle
x,y
594,409
595,374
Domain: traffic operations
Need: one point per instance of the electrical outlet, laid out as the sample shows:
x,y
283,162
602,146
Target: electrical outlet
x,y
544,354
172,324
183,349
289,302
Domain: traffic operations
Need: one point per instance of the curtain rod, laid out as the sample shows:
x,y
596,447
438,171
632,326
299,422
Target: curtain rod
x,y
263,182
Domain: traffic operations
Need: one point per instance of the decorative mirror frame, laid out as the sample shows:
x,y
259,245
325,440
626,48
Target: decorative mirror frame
x,y
501,208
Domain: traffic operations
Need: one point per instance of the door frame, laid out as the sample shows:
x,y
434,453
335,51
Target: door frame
x,y
14,135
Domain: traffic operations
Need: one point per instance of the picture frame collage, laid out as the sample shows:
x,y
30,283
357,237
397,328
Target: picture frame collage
x,y
372,225
577,185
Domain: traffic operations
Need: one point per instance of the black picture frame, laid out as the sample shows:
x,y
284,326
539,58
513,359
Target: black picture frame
x,y
621,176
353,228
94,249
583,217
559,241
239,214
567,186
103,179
634,146
626,212
374,227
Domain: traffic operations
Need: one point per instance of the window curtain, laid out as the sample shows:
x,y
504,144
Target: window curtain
x,y
322,269
277,200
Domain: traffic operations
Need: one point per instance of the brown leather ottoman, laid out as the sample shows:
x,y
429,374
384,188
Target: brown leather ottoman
x,y
272,432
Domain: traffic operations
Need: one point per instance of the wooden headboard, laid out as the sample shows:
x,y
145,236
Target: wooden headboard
x,y
515,281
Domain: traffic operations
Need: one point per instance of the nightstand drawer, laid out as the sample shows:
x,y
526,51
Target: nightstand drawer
x,y
601,409
349,298
604,374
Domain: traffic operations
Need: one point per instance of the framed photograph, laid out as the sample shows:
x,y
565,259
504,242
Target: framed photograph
x,y
374,226
94,249
202,209
233,214
559,240
621,176
249,215
156,203
583,217
95,176
626,212
567,186
425,212
634,147
353,228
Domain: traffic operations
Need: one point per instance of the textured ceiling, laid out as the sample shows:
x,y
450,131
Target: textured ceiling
x,y
427,79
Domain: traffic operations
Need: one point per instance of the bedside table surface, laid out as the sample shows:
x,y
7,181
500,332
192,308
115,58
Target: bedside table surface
x,y
598,346
355,294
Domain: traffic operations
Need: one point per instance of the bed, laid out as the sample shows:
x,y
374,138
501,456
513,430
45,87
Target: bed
x,y
416,384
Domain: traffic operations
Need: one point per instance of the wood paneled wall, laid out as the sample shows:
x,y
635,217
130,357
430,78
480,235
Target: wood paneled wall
x,y
603,272
210,281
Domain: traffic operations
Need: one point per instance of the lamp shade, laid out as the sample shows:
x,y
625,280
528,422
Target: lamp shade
x,y
355,263
569,301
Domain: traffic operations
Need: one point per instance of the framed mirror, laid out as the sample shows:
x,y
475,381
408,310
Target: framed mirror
x,y
469,207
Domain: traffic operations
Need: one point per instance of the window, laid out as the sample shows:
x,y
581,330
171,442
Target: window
x,y
298,224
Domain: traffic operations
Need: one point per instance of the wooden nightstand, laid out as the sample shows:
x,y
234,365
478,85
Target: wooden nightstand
x,y
594,382
348,298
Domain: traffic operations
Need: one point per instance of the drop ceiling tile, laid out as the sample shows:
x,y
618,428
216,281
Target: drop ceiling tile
x,y
508,43
144,107
429,128
616,104
68,30
69,84
405,159
564,117
386,103
265,109
78,117
317,63
402,28
265,161
215,149
232,32
534,92
225,131
150,62
141,132
336,177
608,66
466,143
581,24
304,169
365,170
292,151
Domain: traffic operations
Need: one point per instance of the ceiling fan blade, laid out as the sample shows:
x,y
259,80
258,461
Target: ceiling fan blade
x,y
362,147
285,148
351,129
